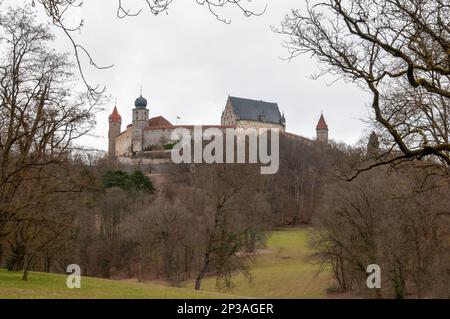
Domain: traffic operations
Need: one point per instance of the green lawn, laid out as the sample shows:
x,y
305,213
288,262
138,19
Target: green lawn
x,y
41,285
283,270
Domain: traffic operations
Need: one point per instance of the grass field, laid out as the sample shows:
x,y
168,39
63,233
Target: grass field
x,y
41,285
281,271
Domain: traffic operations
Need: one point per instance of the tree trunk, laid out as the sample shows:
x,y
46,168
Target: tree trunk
x,y
187,259
198,280
141,265
202,273
251,241
47,262
26,265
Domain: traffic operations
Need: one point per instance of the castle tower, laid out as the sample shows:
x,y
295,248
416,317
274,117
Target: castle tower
x,y
322,130
373,146
115,121
140,122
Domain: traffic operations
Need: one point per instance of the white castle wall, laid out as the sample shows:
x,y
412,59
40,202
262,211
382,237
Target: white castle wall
x,y
157,137
255,124
123,142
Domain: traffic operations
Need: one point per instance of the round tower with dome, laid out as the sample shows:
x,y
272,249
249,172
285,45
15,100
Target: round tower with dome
x,y
140,122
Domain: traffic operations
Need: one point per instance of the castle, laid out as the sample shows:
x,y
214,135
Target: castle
x,y
146,134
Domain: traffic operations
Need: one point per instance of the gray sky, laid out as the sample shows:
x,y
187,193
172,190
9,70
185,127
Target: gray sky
x,y
188,63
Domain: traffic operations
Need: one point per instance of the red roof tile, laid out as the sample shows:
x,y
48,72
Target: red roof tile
x,y
322,125
158,121
115,116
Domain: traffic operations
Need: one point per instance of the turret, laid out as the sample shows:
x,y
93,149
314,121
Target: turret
x,y
115,121
322,130
140,122
283,121
373,146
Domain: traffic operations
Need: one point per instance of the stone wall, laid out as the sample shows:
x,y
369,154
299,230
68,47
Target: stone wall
x,y
157,137
322,135
228,116
148,165
123,142
113,132
256,124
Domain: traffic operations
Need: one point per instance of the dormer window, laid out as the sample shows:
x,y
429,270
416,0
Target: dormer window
x,y
262,117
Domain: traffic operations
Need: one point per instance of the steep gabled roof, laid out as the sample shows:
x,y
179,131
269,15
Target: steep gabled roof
x,y
322,125
254,110
115,116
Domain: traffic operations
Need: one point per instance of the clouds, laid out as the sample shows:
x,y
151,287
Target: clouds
x,y
188,63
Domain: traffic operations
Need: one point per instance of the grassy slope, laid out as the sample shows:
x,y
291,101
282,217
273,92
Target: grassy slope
x,y
283,271
40,285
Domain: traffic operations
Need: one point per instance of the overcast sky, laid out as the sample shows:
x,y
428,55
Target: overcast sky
x,y
188,63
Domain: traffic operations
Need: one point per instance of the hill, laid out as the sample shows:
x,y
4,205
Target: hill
x,y
283,270
43,285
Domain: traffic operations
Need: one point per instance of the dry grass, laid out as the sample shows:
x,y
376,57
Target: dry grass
x,y
283,270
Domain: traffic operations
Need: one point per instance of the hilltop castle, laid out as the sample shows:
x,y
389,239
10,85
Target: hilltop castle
x,y
150,134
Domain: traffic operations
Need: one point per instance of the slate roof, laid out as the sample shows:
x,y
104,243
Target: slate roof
x,y
140,102
254,110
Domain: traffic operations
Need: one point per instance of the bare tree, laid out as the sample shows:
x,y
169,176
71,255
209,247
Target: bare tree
x,y
398,50
235,211
57,8
40,118
394,218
